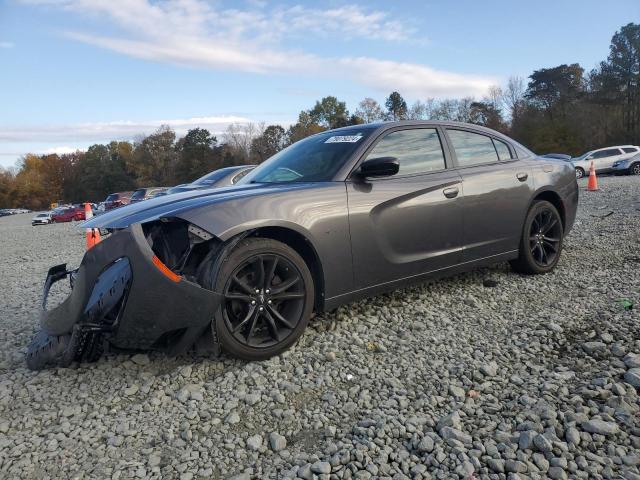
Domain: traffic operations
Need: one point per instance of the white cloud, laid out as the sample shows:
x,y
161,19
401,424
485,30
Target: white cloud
x,y
59,150
106,131
7,45
199,34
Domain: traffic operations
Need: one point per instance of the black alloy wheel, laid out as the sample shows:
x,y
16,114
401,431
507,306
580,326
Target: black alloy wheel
x,y
264,300
635,169
268,297
545,235
541,241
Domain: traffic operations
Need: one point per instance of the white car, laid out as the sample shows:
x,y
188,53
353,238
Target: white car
x,y
43,218
603,159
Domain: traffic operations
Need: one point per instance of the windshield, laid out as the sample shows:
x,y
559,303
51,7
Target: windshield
x,y
137,195
313,159
112,198
212,177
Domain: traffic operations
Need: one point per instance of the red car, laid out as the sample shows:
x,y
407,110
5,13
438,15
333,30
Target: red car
x,y
68,214
116,200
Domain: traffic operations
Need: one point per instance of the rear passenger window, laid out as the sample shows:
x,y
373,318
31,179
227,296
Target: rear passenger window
x,y
503,151
417,151
472,148
610,152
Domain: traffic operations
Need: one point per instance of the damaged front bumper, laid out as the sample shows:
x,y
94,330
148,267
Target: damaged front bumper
x,y
123,292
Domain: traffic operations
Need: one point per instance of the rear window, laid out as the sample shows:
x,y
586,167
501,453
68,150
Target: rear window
x,y
112,198
472,148
503,151
629,150
138,194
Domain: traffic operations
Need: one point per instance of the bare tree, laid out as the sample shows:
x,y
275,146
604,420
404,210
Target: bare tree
x,y
239,137
513,96
369,110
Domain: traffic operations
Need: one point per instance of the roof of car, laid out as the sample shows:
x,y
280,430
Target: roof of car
x,y
614,146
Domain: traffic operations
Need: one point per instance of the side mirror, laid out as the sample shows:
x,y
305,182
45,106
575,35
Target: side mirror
x,y
379,167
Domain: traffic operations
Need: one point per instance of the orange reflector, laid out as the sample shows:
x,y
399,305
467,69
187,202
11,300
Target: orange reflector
x,y
165,270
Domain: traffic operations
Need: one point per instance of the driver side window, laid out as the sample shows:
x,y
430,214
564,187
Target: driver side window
x,y
418,150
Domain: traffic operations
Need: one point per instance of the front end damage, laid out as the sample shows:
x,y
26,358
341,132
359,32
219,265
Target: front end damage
x,y
143,287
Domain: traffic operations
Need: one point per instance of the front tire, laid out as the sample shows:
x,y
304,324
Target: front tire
x,y
579,172
541,241
268,299
634,169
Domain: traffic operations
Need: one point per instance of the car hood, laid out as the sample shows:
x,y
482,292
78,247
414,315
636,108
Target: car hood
x,y
176,203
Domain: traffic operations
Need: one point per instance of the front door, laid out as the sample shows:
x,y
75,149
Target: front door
x,y
410,223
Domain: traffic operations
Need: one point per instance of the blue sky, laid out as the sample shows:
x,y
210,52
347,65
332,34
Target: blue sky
x,y
77,72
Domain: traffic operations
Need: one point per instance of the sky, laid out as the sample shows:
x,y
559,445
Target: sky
x,y
78,72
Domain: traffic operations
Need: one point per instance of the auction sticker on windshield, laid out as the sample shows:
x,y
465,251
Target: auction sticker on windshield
x,y
343,139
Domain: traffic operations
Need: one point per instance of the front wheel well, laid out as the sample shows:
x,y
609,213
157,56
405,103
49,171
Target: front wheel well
x,y
553,198
305,249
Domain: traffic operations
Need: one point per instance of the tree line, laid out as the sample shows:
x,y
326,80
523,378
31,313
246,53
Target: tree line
x,y
562,109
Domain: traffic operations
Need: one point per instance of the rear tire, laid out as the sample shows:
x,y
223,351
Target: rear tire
x,y
541,241
634,169
579,172
261,315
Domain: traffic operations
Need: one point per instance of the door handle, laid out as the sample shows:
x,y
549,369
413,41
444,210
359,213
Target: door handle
x,y
522,176
451,192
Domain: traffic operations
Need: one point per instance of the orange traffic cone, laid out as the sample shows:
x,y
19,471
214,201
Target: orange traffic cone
x,y
592,186
93,234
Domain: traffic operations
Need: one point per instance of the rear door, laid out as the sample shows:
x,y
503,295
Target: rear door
x,y
603,159
497,190
409,223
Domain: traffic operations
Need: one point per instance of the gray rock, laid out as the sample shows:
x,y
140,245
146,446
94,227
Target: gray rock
x,y
489,369
542,444
254,442
593,348
232,418
321,467
497,465
600,426
451,420
557,473
572,435
426,444
632,377
154,460
277,442
526,439
515,466
451,433
632,360
141,359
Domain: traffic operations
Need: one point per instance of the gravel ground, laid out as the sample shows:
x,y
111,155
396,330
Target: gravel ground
x,y
484,375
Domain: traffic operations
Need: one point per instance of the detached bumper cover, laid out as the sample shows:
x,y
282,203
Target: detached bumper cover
x,y
118,290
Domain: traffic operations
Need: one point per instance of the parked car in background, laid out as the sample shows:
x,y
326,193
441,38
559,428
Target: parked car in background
x,y
222,177
559,156
628,166
118,199
43,218
603,159
146,193
64,214
333,218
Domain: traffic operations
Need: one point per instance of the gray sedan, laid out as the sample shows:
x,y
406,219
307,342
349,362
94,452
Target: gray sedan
x,y
336,217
